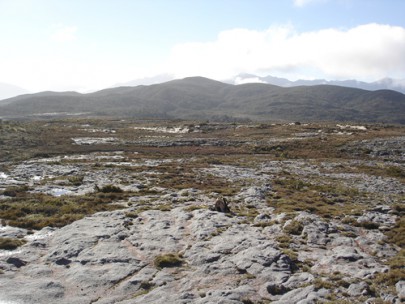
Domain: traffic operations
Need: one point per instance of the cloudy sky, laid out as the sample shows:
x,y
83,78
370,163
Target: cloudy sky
x,y
92,44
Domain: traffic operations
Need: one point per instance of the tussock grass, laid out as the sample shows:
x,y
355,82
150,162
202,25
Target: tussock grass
x,y
294,227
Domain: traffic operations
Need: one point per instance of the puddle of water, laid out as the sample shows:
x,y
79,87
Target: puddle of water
x,y
39,235
59,192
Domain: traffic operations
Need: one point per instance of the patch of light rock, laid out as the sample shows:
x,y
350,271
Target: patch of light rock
x,y
178,130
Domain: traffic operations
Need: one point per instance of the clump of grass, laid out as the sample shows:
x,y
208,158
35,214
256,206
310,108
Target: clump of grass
x,y
163,207
398,262
145,288
320,283
338,279
264,224
193,207
168,260
367,225
293,227
385,282
11,243
15,191
218,231
397,234
76,180
349,234
110,189
291,254
146,285
399,209
395,171
293,257
284,240
390,278
132,214
250,212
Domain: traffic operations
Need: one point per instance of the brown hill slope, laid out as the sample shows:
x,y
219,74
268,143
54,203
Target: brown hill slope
x,y
202,98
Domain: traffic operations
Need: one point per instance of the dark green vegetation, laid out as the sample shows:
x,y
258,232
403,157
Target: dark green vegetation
x,y
35,211
168,260
201,98
10,243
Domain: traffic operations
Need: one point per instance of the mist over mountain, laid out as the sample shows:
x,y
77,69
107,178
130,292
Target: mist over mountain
x,y
146,80
202,98
383,84
9,90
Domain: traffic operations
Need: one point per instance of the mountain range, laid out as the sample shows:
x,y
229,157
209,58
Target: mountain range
x,y
382,84
203,98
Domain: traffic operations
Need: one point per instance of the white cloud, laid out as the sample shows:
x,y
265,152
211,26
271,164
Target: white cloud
x,y
64,34
365,52
240,80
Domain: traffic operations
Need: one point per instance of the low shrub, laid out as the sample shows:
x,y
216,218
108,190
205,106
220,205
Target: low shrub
x,y
368,225
110,189
76,180
15,191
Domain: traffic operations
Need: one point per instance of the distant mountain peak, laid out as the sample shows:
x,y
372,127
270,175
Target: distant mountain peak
x,y
385,83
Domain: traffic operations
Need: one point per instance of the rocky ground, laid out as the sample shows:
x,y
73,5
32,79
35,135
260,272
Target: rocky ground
x,y
121,213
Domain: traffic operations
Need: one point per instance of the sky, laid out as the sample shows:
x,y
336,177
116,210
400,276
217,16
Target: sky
x,y
86,45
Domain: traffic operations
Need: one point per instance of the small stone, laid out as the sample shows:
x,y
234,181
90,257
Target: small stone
x,y
400,287
358,289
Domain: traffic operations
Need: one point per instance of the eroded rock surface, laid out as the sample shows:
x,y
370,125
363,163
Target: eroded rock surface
x,y
299,231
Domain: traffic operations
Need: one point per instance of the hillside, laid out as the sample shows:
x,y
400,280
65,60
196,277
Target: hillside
x,y
202,98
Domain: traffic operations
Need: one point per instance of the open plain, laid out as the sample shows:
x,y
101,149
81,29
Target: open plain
x,y
120,211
